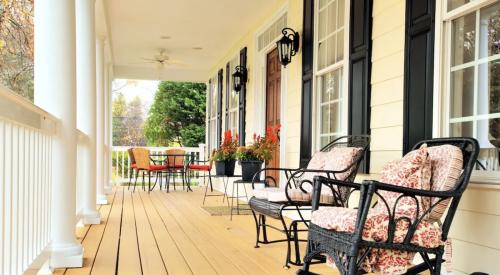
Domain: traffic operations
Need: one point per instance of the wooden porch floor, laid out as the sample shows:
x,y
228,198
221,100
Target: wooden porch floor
x,y
169,233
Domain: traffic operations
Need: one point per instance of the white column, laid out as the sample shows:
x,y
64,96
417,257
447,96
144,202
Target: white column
x,y
110,124
86,95
55,91
107,132
101,195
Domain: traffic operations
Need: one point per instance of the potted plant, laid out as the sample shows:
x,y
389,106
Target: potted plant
x,y
225,156
261,151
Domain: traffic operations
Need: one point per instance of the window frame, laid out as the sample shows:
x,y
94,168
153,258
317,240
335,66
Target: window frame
x,y
442,75
235,61
342,65
212,119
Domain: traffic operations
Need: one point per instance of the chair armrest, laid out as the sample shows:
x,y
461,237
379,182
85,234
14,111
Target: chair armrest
x,y
320,182
377,185
288,172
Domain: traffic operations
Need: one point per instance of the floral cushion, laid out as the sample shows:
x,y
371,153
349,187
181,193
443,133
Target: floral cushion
x,y
413,171
428,234
447,163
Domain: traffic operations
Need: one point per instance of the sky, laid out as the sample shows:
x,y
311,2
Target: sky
x,y
145,89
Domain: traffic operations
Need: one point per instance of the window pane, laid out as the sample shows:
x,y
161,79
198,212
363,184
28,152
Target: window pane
x,y
489,32
489,88
325,140
322,3
341,13
330,84
340,45
453,4
322,24
332,17
462,93
488,135
331,44
325,119
322,55
461,129
334,118
463,39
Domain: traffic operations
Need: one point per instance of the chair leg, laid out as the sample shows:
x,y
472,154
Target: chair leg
x,y
143,180
130,177
149,181
288,239
136,176
294,229
257,227
264,229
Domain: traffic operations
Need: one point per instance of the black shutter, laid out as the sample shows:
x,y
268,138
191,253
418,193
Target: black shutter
x,y
242,99
219,107
360,51
228,93
419,62
307,82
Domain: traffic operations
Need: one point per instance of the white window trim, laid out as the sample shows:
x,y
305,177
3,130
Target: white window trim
x,y
344,64
235,109
212,120
442,57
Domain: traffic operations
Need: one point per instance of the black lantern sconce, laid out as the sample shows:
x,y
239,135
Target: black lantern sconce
x,y
239,78
288,45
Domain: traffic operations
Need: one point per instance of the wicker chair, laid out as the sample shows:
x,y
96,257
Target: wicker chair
x,y
176,165
297,194
143,163
403,235
133,166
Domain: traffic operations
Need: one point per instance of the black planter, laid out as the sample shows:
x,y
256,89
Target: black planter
x,y
249,168
224,168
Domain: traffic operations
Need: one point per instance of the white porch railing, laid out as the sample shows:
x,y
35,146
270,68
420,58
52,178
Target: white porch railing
x,y
121,160
26,133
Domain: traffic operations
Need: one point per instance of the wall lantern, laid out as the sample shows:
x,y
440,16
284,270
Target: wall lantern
x,y
288,45
239,78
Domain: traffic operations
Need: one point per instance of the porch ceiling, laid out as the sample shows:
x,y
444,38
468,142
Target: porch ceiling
x,y
136,27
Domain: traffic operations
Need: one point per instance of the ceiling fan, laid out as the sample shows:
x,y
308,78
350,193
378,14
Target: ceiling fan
x,y
162,59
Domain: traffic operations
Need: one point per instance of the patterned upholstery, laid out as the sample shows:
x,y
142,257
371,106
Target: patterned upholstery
x,y
447,163
413,171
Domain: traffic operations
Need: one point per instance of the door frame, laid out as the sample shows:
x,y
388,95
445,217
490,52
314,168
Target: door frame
x,y
260,87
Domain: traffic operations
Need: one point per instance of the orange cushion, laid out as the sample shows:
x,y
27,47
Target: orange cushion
x,y
175,166
199,167
133,165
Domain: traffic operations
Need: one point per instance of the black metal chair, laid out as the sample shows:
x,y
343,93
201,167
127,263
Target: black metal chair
x,y
263,208
348,250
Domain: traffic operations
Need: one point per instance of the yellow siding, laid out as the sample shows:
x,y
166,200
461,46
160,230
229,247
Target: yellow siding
x,y
387,82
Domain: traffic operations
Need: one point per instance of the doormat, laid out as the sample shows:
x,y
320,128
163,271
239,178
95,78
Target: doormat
x,y
226,211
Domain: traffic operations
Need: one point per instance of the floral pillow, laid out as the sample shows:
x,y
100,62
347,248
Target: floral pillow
x,y
413,171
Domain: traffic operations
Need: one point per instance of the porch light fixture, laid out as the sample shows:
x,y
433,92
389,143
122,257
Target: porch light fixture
x,y
239,78
288,45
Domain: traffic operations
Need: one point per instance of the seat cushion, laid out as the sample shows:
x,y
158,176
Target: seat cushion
x,y
427,234
278,195
447,163
199,167
133,166
156,167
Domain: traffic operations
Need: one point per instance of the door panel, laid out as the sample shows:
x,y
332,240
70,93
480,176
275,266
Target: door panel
x,y
273,101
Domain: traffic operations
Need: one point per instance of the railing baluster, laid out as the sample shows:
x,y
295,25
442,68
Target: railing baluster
x,y
2,190
7,212
15,197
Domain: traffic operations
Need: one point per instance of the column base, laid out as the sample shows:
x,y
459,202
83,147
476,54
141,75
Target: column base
x,y
66,255
101,199
90,217
108,189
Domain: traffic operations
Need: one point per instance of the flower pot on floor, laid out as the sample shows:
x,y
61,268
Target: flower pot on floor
x,y
249,168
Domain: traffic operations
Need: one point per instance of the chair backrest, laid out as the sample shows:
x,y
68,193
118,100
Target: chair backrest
x,y
141,156
450,177
131,155
176,157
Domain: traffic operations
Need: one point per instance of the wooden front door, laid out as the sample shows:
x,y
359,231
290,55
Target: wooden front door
x,y
273,101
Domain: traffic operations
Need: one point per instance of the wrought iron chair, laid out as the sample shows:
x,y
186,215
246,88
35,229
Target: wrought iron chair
x,y
348,249
297,194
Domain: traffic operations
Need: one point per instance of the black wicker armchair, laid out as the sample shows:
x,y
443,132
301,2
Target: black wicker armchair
x,y
349,249
296,184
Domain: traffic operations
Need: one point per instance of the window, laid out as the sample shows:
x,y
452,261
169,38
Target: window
x,y
233,98
330,93
472,78
272,33
212,114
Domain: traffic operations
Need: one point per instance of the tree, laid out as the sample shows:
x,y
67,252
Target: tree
x,y
16,46
134,123
119,113
177,115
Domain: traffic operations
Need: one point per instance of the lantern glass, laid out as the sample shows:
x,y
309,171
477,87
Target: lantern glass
x,y
237,81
